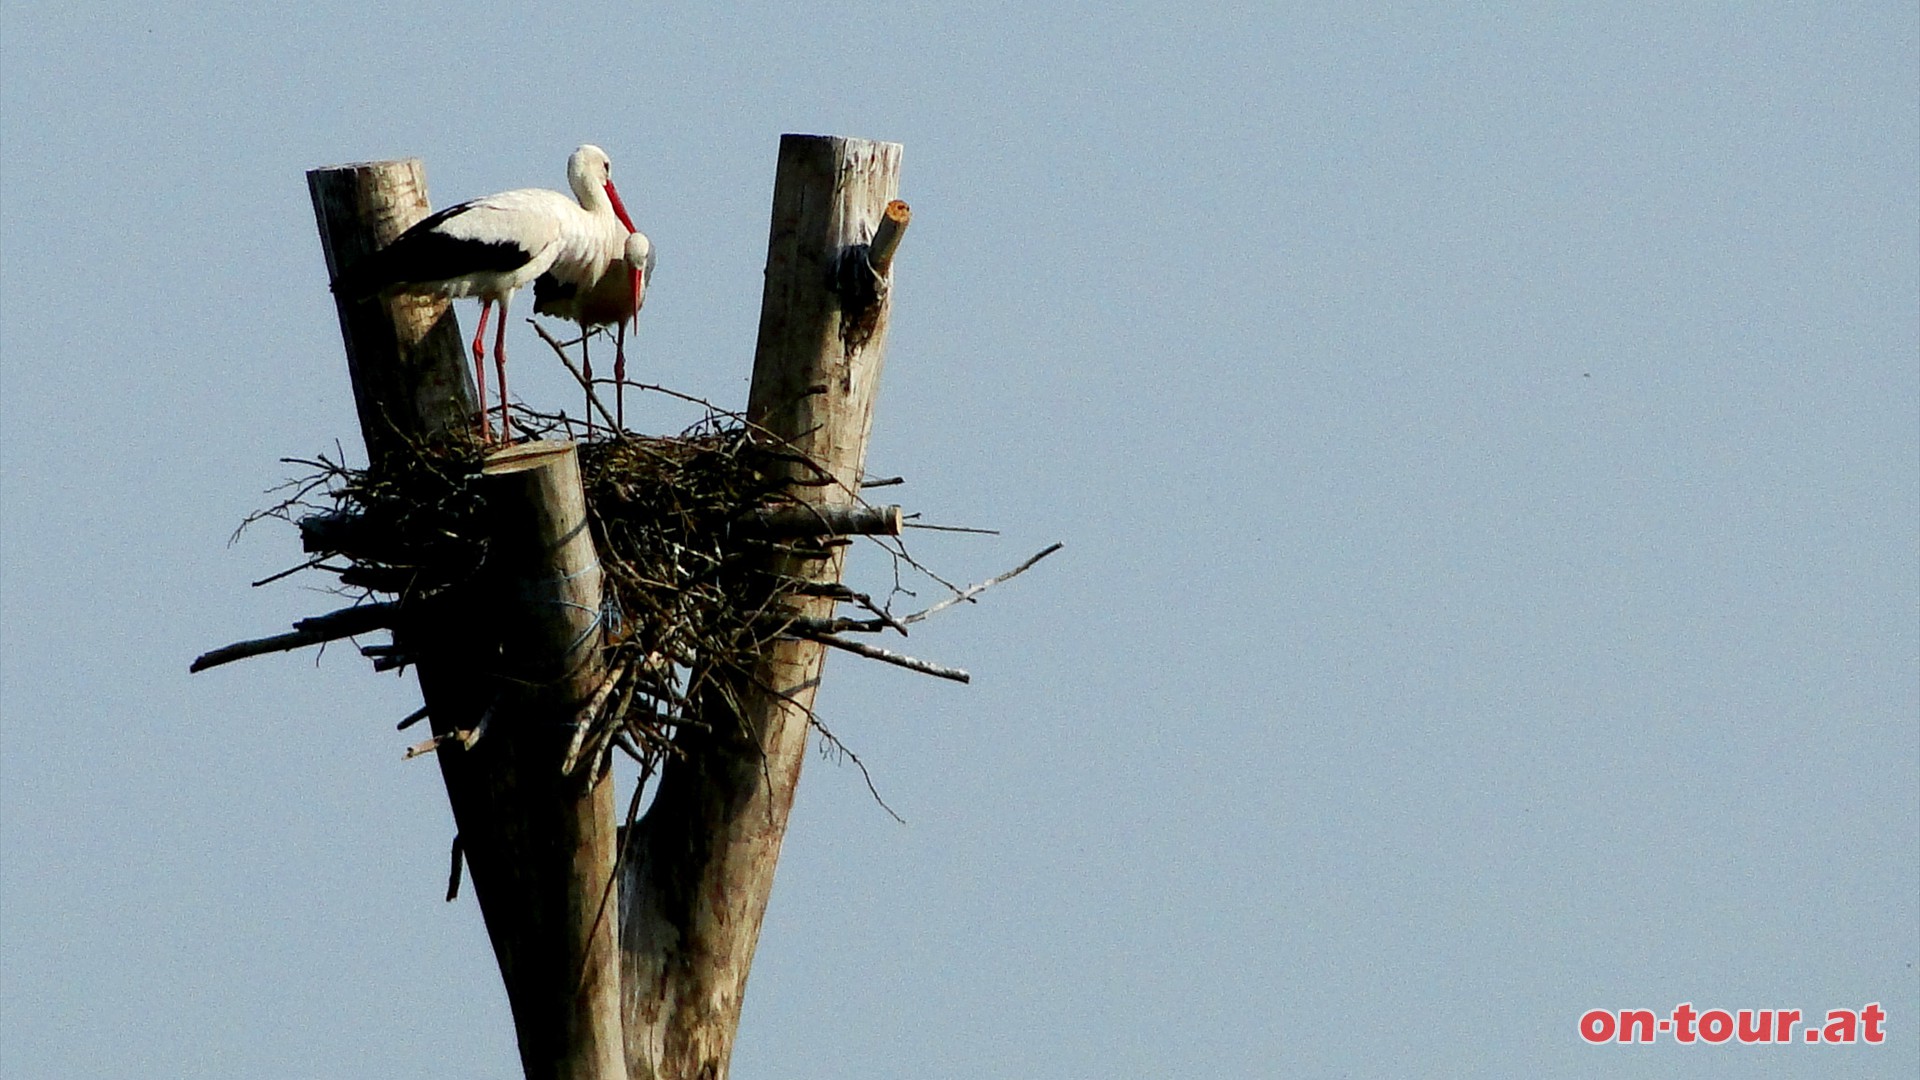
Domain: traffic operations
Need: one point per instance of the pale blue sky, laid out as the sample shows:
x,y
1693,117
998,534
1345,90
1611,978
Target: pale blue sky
x,y
1486,441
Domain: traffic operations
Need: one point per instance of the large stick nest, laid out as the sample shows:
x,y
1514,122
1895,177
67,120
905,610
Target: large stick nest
x,y
690,601
683,607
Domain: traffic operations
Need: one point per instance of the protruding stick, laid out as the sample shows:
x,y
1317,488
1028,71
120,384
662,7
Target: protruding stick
x,y
974,590
886,236
850,519
453,872
314,631
874,652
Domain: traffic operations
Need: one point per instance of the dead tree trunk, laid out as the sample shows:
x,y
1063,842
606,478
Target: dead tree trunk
x,y
697,873
504,665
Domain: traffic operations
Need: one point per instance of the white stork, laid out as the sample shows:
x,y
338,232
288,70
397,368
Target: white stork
x,y
491,246
611,301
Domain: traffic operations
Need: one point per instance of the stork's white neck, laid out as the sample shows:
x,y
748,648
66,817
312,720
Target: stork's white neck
x,y
589,171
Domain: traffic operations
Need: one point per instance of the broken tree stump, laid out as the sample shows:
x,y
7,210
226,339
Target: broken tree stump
x,y
538,843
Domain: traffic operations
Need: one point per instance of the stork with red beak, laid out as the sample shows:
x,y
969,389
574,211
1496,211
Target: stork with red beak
x,y
490,247
611,301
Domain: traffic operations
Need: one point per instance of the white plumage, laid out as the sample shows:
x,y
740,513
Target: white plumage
x,y
490,247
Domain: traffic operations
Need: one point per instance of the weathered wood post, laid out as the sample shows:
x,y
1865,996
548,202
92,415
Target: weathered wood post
x,y
503,666
695,882
405,355
539,843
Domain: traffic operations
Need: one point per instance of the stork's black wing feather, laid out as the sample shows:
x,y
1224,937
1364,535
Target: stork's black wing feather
x,y
551,296
427,253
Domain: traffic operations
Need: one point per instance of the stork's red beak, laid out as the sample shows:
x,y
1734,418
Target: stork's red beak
x,y
639,286
619,208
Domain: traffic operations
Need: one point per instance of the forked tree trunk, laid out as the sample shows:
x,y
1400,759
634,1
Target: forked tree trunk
x,y
697,872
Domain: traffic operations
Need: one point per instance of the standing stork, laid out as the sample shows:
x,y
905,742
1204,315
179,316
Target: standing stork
x,y
490,247
611,301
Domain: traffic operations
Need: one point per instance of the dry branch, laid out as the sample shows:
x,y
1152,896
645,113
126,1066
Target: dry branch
x,y
464,738
583,722
316,630
971,591
837,519
840,624
560,351
874,652
968,529
290,571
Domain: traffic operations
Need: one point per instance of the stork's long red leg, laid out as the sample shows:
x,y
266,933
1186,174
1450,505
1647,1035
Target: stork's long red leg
x,y
637,281
586,375
500,367
620,376
480,366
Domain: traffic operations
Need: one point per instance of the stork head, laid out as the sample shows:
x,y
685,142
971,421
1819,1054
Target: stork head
x,y
590,174
639,259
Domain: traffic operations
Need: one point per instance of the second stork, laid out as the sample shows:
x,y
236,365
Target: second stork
x,y
611,301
